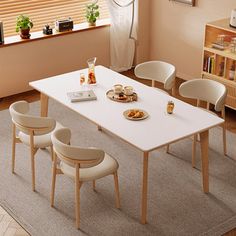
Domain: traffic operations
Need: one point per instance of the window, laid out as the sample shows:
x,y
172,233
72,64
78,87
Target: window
x,y
43,12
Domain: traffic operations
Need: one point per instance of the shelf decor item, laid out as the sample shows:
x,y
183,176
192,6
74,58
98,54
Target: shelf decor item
x,y
1,33
92,13
233,19
24,24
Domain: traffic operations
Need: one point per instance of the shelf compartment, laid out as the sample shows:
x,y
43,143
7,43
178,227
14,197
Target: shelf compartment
x,y
229,63
224,53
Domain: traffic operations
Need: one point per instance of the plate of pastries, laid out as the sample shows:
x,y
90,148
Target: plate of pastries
x,y
135,114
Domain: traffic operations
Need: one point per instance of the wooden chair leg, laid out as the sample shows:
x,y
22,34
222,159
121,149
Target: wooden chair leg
x,y
94,185
54,174
77,197
224,139
168,148
117,190
51,151
194,150
32,152
13,148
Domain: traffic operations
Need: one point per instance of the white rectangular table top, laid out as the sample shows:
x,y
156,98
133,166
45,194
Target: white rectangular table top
x,y
157,130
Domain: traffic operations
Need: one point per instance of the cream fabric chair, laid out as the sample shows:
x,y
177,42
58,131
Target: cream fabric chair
x,y
160,71
208,91
82,165
34,131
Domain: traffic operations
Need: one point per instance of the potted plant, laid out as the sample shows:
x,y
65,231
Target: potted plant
x,y
24,24
92,13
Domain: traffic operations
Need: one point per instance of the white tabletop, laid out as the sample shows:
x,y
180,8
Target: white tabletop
x,y
157,130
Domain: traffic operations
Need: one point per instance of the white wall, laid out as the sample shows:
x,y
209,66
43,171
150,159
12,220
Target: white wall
x,y
177,32
35,60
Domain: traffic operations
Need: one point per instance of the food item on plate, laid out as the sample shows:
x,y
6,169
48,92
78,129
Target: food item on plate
x,y
121,96
135,114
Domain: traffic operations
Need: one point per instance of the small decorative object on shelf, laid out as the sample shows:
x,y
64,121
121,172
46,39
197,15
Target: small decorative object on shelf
x,y
232,71
233,19
92,13
47,30
220,42
170,107
64,25
91,70
24,24
233,45
1,33
222,66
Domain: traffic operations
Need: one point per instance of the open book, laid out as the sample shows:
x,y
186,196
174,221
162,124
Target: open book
x,y
80,96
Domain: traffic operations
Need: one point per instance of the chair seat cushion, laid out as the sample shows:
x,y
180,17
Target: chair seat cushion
x,y
108,166
40,141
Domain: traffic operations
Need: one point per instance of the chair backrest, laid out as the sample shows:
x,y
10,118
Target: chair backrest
x,y
205,90
25,122
86,157
158,71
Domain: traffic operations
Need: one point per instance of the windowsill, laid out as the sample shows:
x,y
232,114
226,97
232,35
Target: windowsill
x,y
13,40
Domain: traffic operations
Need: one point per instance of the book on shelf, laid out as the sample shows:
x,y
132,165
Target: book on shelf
x,y
209,64
80,96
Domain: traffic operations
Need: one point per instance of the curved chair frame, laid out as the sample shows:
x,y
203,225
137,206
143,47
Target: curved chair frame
x,y
71,160
160,71
35,127
211,92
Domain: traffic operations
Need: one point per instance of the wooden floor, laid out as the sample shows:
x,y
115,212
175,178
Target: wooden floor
x,y
8,226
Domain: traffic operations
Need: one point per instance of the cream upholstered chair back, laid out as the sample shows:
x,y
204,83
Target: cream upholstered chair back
x,y
205,90
24,122
86,157
157,71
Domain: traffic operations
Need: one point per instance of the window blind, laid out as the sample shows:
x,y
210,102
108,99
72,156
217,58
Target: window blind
x,y
43,12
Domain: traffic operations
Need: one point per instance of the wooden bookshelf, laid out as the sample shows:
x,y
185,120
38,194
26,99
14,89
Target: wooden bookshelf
x,y
216,63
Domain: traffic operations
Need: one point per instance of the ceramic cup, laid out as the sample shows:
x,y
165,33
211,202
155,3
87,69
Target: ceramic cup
x,y
128,90
118,88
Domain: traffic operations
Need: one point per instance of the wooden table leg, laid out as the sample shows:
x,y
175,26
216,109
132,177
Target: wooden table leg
x,y
44,105
145,188
205,162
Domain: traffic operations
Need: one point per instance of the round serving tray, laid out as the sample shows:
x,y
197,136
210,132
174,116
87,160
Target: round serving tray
x,y
125,98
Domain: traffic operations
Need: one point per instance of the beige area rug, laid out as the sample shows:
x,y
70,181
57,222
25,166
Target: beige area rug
x,y
176,205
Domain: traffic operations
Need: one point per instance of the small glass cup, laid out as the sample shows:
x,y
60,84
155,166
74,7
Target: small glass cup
x,y
170,107
82,78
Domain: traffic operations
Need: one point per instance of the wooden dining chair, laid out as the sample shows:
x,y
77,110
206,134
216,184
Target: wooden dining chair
x,y
211,92
82,165
34,132
159,71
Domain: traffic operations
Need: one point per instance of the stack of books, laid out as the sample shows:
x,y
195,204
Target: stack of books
x,y
218,46
80,96
209,64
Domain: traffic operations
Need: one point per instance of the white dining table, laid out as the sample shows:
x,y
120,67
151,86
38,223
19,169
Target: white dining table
x,y
158,130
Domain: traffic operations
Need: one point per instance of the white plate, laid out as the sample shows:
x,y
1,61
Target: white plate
x,y
125,113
